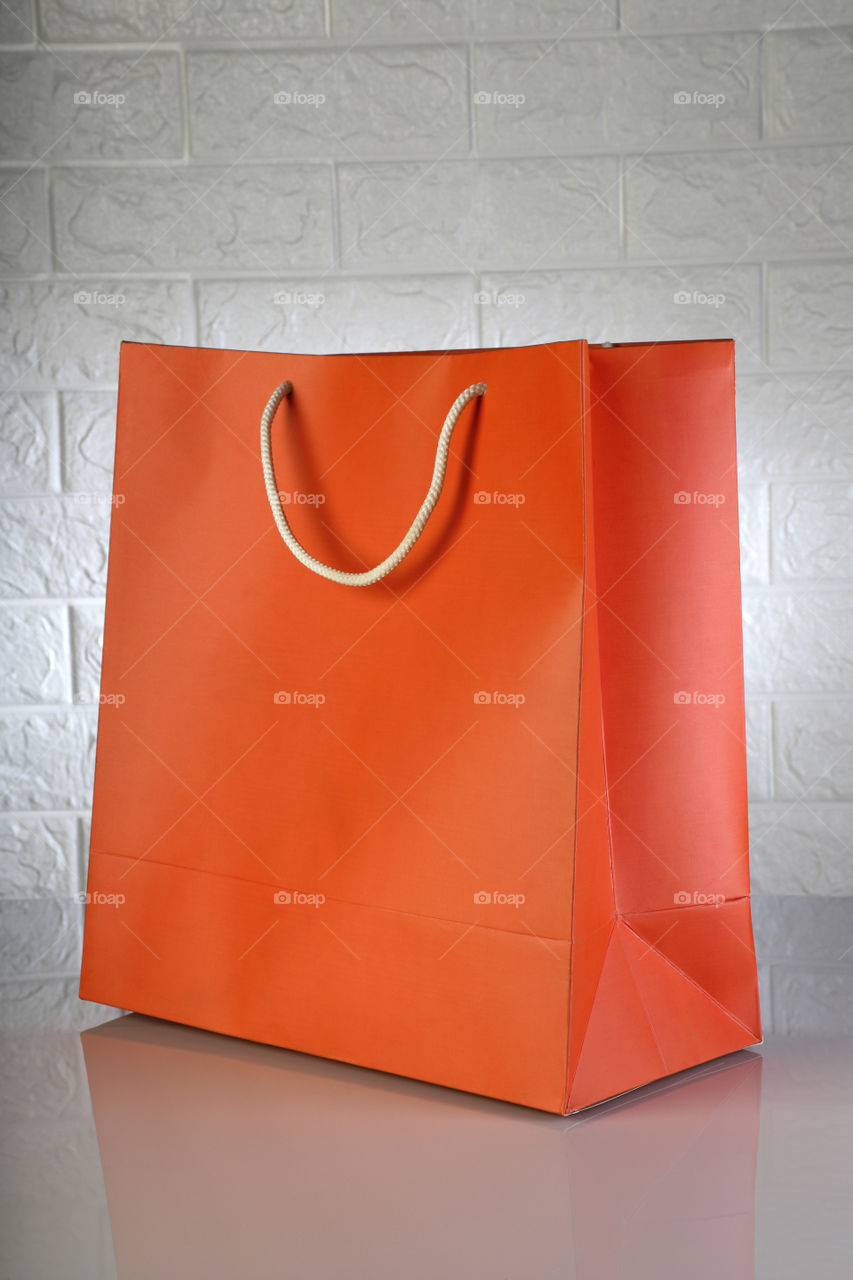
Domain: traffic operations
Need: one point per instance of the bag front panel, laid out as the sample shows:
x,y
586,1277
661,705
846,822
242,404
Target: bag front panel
x,y
342,818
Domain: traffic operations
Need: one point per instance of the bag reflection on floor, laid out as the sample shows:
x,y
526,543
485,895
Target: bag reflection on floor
x,y
225,1158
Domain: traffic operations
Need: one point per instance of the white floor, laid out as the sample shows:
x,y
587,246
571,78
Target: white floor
x,y
142,1149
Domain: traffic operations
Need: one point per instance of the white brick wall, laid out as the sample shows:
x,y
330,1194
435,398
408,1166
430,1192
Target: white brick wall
x,y
591,189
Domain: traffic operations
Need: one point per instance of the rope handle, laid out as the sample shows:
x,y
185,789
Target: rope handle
x,y
369,576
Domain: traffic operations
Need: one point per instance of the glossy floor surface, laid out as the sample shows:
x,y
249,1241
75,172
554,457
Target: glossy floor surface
x,y
142,1149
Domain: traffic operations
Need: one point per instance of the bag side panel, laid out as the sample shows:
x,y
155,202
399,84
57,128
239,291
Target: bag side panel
x,y
593,902
678,985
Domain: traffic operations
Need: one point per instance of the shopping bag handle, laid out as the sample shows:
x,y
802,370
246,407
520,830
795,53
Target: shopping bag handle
x,y
369,576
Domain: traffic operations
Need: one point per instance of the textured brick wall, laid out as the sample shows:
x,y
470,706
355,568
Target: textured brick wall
x,y
478,172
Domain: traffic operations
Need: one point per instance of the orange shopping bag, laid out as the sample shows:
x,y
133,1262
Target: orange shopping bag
x,y
472,810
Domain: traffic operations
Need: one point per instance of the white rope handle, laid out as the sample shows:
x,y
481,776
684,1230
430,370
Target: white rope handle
x,y
369,576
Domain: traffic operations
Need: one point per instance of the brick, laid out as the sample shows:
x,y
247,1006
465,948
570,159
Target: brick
x,y
803,928
43,1082
814,757
542,17
588,95
39,936
38,856
59,1161
46,759
234,21
809,83
799,427
24,237
812,528
88,440
380,314
765,998
41,118
463,214
17,22
758,749
812,1000
798,642
249,217
811,315
652,15
24,104
448,19
740,205
33,655
87,629
48,339
378,102
632,304
48,1004
26,442
84,835
366,20
802,850
53,546
754,525
407,215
